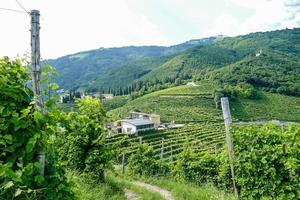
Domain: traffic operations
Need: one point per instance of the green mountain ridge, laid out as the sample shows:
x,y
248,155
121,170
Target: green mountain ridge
x,y
96,68
224,60
276,69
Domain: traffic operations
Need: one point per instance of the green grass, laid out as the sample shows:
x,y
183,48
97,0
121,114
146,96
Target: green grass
x,y
268,106
184,104
188,191
181,104
86,189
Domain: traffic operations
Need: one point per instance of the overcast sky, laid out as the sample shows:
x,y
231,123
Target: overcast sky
x,y
70,26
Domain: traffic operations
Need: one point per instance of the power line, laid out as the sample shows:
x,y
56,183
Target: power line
x,y
13,10
22,6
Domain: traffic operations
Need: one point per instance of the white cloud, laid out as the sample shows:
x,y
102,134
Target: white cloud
x,y
268,15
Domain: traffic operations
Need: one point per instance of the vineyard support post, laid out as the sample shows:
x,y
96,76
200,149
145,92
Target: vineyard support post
x,y
123,163
171,153
141,140
36,73
162,148
228,121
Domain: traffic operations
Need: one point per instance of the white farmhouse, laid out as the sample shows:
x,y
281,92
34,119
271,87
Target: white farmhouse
x,y
191,84
132,126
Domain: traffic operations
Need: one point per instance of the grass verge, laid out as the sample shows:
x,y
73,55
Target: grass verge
x,y
188,191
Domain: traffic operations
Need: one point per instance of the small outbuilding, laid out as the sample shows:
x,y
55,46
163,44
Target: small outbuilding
x,y
132,126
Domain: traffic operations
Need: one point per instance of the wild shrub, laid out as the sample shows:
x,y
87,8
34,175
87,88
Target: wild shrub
x,y
24,131
199,168
145,163
267,162
82,146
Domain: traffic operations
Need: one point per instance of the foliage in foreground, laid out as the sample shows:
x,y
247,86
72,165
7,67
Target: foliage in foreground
x,y
144,163
86,188
82,146
24,131
266,162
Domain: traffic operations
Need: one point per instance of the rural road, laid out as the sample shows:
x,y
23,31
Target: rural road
x,y
130,195
164,193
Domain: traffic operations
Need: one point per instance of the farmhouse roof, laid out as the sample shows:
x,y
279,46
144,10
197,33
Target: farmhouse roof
x,y
138,122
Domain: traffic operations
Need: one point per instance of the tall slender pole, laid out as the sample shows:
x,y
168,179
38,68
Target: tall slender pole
x,y
171,153
36,73
228,121
123,163
162,148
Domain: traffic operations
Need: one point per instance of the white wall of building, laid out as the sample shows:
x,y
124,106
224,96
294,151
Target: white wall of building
x,y
128,128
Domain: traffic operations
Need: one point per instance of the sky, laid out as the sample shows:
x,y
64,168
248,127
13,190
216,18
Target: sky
x,y
70,26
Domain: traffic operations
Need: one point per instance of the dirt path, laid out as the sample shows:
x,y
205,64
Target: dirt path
x,y
130,195
164,193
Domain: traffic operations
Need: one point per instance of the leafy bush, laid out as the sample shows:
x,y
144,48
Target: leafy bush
x,y
143,162
197,168
82,146
267,162
24,131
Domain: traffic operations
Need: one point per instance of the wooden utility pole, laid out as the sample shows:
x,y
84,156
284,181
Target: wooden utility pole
x,y
228,121
36,73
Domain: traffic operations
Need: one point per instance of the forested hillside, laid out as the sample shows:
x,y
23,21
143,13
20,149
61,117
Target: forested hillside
x,y
269,60
96,68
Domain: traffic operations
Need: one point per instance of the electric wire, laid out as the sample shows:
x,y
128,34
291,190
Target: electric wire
x,y
22,7
13,10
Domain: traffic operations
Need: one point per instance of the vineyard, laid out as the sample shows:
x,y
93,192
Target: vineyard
x,y
182,104
186,104
168,143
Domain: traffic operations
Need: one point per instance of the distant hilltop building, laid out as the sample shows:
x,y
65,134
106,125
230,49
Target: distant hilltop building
x,y
259,53
191,84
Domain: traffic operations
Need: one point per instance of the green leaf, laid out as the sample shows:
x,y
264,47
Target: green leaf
x,y
8,137
26,111
38,117
39,179
54,86
31,143
1,109
8,185
18,192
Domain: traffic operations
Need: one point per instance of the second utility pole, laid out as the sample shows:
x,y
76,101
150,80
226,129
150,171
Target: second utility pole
x,y
36,74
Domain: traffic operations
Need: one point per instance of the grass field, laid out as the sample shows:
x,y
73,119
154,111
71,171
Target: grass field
x,y
184,104
181,104
268,106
